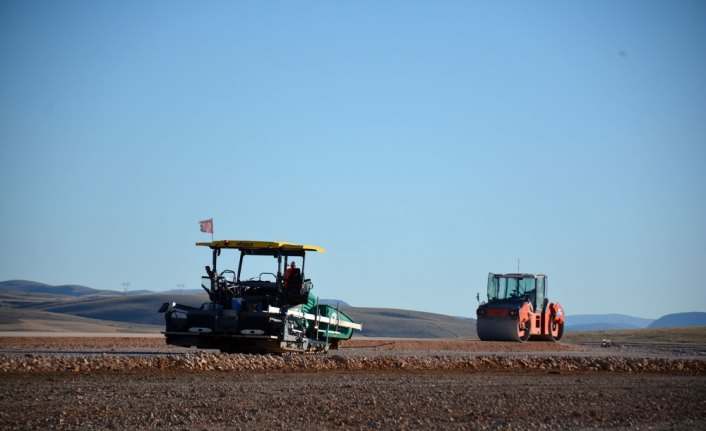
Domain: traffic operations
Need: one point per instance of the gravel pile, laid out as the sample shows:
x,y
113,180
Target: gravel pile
x,y
210,362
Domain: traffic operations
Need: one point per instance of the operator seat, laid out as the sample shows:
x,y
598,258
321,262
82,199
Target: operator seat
x,y
294,282
532,297
293,288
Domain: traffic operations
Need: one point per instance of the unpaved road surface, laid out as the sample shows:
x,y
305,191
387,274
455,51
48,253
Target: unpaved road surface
x,y
352,400
104,383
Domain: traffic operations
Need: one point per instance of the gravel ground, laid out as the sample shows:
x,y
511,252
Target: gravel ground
x,y
350,400
113,384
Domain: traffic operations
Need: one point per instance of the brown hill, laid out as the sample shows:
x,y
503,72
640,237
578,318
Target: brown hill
x,y
29,310
17,319
389,322
133,309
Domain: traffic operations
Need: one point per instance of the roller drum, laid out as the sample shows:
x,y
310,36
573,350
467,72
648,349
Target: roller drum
x,y
498,330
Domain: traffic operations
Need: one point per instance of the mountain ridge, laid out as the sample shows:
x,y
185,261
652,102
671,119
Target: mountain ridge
x,y
692,318
139,307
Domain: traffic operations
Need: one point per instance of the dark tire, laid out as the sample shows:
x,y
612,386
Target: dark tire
x,y
523,331
557,331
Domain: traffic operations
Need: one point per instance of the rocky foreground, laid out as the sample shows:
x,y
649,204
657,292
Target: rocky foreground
x,y
376,385
387,400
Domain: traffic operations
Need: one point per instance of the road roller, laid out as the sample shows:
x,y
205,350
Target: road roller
x,y
519,310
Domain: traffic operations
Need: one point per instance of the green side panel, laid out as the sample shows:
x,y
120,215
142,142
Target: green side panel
x,y
333,331
310,305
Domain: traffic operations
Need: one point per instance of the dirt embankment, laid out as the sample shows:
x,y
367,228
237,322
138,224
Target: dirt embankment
x,y
208,362
131,342
97,354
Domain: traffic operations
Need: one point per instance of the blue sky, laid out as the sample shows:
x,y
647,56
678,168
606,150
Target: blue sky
x,y
423,144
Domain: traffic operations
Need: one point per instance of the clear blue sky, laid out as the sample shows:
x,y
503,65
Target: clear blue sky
x,y
423,144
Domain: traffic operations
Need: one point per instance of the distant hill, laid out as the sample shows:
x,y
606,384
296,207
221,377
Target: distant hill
x,y
140,308
181,291
334,302
15,319
28,302
596,322
25,286
680,319
388,322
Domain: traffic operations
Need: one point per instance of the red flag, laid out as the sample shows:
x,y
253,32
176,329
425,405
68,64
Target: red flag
x,y
206,225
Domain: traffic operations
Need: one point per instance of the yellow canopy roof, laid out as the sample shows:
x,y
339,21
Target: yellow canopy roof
x,y
260,245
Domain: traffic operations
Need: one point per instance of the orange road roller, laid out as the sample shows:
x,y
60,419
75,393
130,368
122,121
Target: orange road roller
x,y
518,310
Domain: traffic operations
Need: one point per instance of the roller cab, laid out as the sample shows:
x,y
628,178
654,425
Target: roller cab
x,y
519,310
